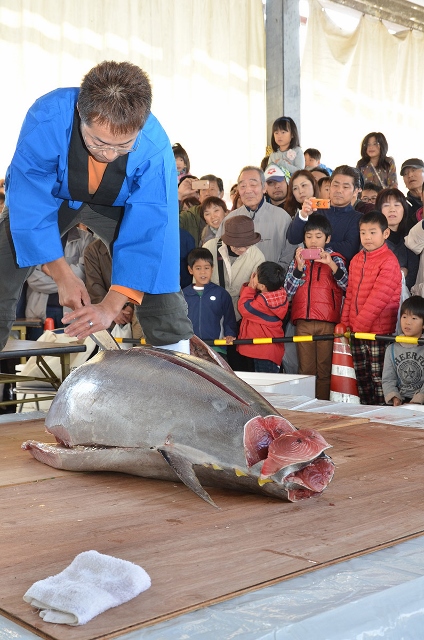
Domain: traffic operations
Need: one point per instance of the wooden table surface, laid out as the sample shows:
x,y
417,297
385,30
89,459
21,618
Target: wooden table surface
x,y
197,555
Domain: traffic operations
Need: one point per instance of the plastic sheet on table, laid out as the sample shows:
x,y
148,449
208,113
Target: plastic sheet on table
x,y
373,596
408,417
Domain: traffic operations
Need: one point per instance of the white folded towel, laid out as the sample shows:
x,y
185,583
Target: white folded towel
x,y
92,583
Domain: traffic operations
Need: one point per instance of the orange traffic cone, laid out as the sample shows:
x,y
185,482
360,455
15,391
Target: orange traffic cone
x,y
48,324
343,385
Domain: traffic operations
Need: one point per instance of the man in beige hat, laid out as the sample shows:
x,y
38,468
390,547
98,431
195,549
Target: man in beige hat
x,y
270,221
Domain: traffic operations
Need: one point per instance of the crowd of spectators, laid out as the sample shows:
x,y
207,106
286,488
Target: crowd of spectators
x,y
368,233
368,239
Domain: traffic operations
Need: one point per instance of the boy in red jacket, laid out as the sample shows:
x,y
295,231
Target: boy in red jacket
x,y
372,303
262,305
316,287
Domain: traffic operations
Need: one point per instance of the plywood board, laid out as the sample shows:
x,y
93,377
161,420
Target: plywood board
x,y
195,554
320,421
16,468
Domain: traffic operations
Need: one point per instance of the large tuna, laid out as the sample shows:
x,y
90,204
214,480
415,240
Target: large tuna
x,y
166,415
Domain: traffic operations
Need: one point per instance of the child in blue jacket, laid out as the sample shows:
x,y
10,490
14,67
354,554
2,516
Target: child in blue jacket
x,y
210,307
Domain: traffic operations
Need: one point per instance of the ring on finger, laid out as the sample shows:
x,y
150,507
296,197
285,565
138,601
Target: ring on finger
x,y
90,323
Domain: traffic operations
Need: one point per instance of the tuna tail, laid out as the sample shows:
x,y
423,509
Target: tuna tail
x,y
184,470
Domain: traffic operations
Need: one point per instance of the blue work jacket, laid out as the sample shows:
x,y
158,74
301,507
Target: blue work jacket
x,y
146,251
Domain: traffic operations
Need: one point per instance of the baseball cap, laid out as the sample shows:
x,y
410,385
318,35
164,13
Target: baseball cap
x,y
276,173
414,163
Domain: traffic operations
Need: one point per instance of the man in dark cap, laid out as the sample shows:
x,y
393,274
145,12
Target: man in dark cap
x,y
412,172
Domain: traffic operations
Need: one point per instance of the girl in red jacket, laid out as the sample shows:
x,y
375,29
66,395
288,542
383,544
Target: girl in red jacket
x,y
262,305
372,303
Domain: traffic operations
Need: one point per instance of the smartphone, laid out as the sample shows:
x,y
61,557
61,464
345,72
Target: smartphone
x,y
320,203
310,254
199,184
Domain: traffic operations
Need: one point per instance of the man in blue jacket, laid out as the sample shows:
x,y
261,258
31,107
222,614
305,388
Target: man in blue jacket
x,y
97,155
344,220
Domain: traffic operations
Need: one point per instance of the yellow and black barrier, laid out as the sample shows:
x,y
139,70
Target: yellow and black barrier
x,y
384,338
286,339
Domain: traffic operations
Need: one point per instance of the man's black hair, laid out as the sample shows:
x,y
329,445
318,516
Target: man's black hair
x,y
352,172
199,254
374,217
413,306
317,221
117,95
213,178
271,275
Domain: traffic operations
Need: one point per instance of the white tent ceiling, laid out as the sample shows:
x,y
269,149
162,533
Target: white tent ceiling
x,y
398,13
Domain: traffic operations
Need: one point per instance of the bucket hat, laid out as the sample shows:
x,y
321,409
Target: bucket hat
x,y
240,232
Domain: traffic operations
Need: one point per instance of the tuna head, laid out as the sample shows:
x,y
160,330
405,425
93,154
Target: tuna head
x,y
160,414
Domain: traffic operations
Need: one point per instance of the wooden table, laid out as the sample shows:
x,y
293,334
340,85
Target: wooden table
x,y
197,555
28,348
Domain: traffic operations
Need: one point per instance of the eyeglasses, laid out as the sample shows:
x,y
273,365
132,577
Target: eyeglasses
x,y
373,144
120,150
371,199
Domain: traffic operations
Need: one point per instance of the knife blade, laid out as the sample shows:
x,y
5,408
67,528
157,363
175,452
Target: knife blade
x,y
105,340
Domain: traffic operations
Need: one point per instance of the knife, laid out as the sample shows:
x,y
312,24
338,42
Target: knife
x,y
105,340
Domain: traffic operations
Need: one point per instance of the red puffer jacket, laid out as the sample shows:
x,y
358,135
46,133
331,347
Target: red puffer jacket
x,y
261,317
320,298
373,293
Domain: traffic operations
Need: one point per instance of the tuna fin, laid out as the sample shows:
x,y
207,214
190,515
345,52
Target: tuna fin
x,y
202,350
184,470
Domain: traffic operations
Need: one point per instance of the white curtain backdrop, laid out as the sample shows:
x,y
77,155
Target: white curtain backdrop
x,y
205,58
355,83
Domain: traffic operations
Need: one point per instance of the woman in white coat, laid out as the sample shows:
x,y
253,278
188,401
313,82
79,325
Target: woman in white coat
x,y
235,258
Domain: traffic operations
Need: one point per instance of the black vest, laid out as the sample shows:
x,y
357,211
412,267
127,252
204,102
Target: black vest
x,y
102,200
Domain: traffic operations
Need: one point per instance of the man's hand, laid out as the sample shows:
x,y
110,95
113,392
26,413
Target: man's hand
x,y
397,402
94,317
71,289
185,190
